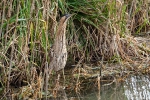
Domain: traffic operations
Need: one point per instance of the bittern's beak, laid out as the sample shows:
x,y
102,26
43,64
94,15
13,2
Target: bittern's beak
x,y
68,16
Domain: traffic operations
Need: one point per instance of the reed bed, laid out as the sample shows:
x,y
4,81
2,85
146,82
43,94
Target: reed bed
x,y
100,33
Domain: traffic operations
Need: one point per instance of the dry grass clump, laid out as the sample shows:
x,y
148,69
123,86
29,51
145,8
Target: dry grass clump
x,y
103,31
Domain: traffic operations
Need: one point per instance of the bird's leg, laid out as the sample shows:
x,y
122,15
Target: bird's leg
x,y
64,76
57,80
57,86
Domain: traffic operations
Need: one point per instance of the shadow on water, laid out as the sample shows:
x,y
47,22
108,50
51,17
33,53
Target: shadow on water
x,y
134,88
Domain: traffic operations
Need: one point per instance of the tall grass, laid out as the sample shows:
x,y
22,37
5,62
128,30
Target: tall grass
x,y
104,28
98,29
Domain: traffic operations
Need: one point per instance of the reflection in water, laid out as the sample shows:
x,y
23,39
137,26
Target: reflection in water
x,y
134,88
137,88
113,92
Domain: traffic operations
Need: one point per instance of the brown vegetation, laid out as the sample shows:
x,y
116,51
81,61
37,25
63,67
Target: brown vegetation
x,y
98,34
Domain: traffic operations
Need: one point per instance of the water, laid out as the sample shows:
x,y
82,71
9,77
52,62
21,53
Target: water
x,y
137,88
134,88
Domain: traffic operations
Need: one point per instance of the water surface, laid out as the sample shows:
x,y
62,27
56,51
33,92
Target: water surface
x,y
133,88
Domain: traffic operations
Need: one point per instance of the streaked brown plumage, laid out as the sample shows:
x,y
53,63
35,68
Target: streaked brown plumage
x,y
59,51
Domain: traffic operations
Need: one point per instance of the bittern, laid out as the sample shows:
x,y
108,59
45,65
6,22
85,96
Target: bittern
x,y
59,51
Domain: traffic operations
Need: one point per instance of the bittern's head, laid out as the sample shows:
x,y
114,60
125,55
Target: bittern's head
x,y
64,18
62,24
67,16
